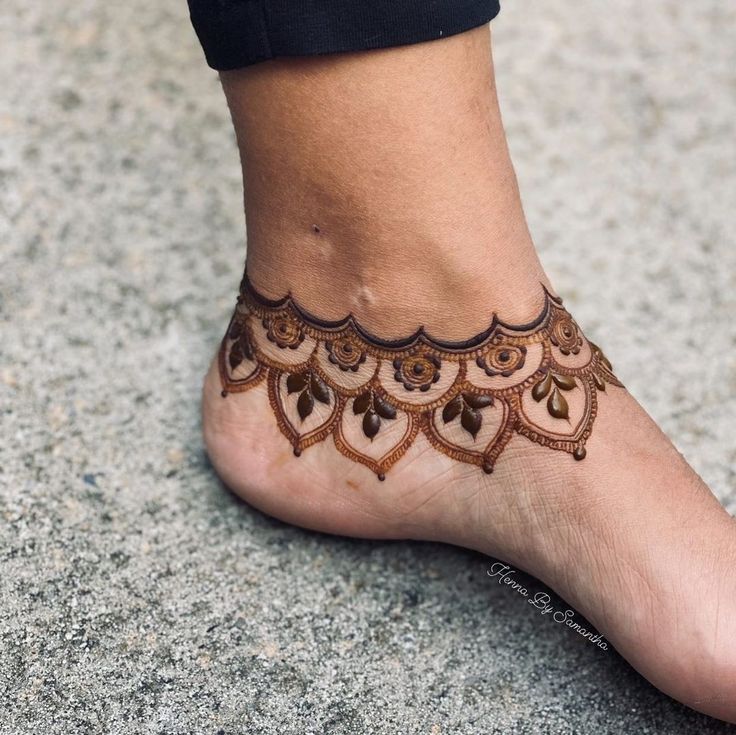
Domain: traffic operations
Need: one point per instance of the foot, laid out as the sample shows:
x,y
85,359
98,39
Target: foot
x,y
380,185
630,535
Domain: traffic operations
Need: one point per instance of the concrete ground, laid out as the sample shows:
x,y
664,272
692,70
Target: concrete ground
x,y
137,595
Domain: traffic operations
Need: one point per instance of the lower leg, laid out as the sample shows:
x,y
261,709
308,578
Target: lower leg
x,y
379,184
385,175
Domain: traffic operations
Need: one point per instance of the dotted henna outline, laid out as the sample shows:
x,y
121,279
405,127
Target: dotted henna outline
x,y
261,329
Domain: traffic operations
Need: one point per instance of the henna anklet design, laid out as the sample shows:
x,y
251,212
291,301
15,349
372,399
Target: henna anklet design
x,y
374,396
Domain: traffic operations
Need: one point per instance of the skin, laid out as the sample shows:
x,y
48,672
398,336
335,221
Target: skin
x,y
378,183
353,144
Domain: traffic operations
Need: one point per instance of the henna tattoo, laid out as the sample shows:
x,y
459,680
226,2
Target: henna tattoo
x,y
375,396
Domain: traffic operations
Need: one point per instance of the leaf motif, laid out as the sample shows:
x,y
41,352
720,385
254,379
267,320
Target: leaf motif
x,y
319,389
371,424
296,382
362,403
478,401
235,330
599,382
541,389
557,405
452,409
599,352
471,421
383,409
305,404
245,346
236,356
565,382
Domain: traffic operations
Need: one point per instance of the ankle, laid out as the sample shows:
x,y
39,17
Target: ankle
x,y
395,198
452,288
436,264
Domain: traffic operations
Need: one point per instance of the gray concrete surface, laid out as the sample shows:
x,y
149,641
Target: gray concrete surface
x,y
137,596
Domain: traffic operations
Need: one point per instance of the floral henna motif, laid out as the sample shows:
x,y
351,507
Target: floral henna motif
x,y
550,385
283,330
564,333
417,371
310,387
501,358
345,353
467,406
374,408
374,397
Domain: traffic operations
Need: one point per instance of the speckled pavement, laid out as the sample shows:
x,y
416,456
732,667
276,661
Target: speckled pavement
x,y
136,594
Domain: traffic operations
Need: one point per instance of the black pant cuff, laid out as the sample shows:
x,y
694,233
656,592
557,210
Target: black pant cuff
x,y
236,33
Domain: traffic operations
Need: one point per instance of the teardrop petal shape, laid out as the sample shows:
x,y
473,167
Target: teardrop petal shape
x,y
305,404
478,401
384,409
362,402
236,356
319,389
471,421
245,345
236,329
452,409
557,405
541,389
371,424
296,382
565,382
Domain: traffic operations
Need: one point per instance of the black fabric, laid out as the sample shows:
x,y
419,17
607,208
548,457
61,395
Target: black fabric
x,y
236,33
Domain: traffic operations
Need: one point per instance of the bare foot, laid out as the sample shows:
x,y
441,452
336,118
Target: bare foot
x,y
379,184
630,535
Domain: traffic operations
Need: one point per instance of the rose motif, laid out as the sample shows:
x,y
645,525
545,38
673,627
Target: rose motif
x,y
565,334
502,359
345,353
284,331
420,371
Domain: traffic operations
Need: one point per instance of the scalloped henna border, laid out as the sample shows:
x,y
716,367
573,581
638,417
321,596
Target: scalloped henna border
x,y
289,303
418,346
